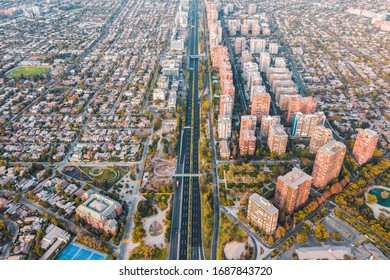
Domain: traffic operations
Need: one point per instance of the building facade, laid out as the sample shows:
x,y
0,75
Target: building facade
x,y
224,127
248,122
261,103
320,136
262,213
298,103
247,142
292,190
277,139
303,124
266,123
365,145
328,163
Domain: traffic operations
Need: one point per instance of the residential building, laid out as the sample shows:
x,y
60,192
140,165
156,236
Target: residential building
x,y
266,123
320,136
261,103
298,103
248,122
292,190
273,48
247,142
224,149
226,105
277,139
328,163
224,127
262,213
265,61
303,124
365,145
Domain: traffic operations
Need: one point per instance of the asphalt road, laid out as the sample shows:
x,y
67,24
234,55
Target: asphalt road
x,y
196,252
185,228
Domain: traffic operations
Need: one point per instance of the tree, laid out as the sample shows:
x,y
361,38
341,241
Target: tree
x,y
320,232
302,237
384,194
371,199
17,197
280,232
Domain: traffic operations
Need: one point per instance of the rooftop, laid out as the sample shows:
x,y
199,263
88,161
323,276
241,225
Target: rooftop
x,y
295,177
263,203
332,147
278,129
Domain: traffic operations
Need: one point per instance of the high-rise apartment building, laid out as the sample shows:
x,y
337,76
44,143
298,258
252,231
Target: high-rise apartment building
x,y
320,136
248,122
266,123
277,139
265,61
247,142
257,45
292,190
298,103
273,48
261,103
365,145
226,105
303,124
328,163
262,213
224,127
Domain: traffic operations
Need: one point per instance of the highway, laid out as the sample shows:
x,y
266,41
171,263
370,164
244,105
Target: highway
x,y
186,233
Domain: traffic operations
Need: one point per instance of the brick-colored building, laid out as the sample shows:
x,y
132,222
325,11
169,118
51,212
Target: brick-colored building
x,y
224,149
261,103
303,124
306,105
365,145
247,142
226,105
248,122
320,136
328,163
277,139
292,190
100,211
266,123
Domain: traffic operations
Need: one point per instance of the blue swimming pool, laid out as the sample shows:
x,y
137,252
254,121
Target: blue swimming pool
x,y
75,251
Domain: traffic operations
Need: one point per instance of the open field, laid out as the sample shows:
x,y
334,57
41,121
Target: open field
x,y
27,71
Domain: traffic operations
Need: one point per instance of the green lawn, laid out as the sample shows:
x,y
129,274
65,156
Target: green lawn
x,y
228,232
144,252
27,71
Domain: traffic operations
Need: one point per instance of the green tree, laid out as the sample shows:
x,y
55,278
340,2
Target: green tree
x,y
371,199
321,233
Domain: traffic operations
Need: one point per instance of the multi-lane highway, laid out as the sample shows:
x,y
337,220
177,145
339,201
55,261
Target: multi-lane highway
x,y
186,234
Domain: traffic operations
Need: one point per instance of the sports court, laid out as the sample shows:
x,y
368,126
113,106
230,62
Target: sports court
x,y
75,251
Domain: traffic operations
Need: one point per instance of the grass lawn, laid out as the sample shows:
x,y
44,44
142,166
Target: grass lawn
x,y
207,222
162,201
228,232
27,71
144,252
110,175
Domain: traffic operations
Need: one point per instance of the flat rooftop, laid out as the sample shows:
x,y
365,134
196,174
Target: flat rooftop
x,y
332,147
263,203
295,177
279,130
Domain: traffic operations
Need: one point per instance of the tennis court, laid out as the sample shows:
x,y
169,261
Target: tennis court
x,y
75,251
